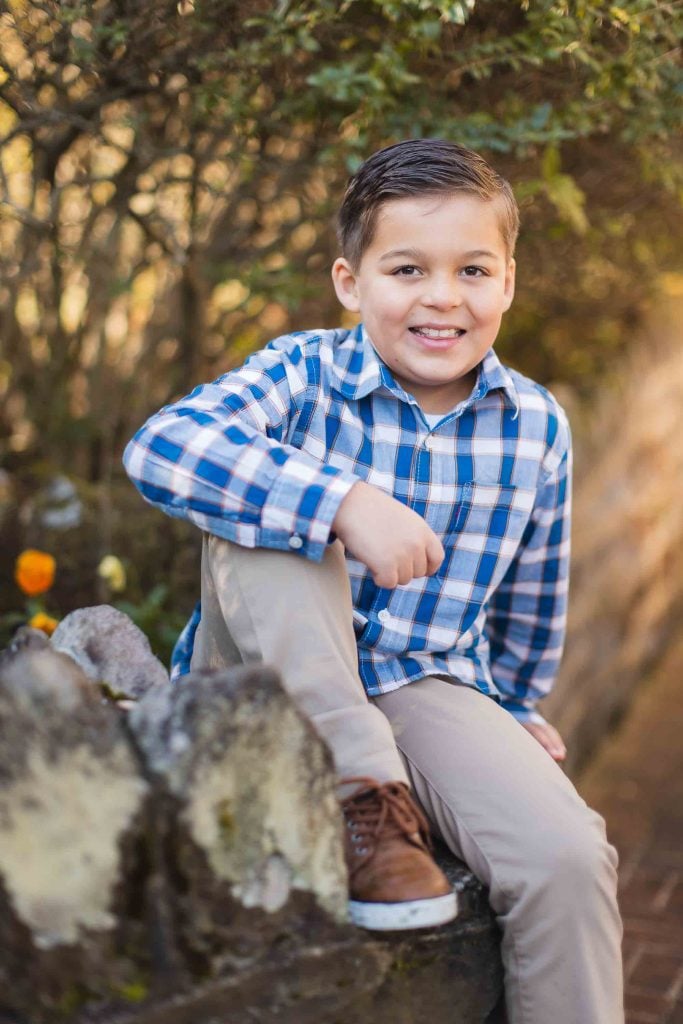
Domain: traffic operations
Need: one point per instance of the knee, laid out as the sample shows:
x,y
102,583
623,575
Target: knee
x,y
577,859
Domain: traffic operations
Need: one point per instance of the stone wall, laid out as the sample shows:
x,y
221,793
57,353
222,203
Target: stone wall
x,y
180,860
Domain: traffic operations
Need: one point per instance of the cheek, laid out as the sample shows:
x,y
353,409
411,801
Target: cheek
x,y
387,309
393,296
492,305
495,303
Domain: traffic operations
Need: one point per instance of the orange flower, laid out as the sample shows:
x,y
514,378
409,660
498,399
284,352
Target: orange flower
x,y
34,571
45,622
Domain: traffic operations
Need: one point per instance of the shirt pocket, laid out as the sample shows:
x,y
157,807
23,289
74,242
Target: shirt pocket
x,y
493,511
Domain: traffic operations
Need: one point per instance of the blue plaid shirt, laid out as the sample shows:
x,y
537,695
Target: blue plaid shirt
x,y
264,456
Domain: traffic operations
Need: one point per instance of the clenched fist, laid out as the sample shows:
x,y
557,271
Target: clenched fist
x,y
394,542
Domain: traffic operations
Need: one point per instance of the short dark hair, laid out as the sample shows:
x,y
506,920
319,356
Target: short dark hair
x,y
418,167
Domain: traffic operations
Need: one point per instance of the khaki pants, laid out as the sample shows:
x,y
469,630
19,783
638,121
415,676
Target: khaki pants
x,y
491,792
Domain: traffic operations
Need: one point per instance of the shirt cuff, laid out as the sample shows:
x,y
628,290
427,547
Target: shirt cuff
x,y
298,513
523,714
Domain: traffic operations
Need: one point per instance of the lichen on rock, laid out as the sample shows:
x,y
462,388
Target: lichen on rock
x,y
72,818
254,783
60,822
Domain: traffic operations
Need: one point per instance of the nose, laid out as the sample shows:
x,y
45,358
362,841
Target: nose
x,y
443,293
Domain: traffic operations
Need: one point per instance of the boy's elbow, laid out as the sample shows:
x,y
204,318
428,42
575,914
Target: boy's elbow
x,y
152,474
147,472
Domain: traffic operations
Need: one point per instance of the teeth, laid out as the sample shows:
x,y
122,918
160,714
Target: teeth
x,y
431,332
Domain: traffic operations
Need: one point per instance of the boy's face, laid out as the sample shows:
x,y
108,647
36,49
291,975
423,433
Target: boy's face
x,y
431,289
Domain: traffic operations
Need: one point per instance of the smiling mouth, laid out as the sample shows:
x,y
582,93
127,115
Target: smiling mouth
x,y
438,334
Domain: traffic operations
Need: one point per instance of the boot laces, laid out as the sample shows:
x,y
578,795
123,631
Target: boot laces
x,y
376,808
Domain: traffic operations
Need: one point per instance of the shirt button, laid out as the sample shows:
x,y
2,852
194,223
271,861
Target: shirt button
x,y
295,542
384,615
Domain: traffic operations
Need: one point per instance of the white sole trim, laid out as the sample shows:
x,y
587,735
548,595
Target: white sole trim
x,y
391,917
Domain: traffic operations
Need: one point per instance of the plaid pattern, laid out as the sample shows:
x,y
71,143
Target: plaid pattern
x,y
264,455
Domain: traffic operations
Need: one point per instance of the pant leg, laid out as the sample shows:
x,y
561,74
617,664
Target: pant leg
x,y
297,615
502,804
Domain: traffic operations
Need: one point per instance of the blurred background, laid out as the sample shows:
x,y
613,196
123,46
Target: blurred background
x,y
169,174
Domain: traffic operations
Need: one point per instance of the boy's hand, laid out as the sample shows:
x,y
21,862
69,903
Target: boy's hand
x,y
549,738
394,542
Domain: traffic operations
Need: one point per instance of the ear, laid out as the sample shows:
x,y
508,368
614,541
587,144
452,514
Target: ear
x,y
509,289
345,284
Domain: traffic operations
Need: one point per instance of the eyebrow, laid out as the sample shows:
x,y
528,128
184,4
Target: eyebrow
x,y
395,253
416,254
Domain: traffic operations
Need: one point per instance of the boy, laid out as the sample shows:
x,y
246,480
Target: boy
x,y
386,517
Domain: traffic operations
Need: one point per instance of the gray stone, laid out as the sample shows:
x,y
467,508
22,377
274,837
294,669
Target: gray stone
x,y
111,650
260,885
182,864
71,806
442,976
258,819
33,672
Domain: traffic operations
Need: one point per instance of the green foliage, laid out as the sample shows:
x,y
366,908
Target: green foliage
x,y
169,174
154,153
9,624
156,619
560,189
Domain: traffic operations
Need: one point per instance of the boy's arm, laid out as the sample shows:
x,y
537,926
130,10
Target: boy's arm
x,y
219,458
526,618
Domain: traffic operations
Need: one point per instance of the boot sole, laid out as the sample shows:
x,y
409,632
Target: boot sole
x,y
391,917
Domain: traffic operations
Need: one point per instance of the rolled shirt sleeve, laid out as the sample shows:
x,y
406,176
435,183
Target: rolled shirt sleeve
x,y
221,458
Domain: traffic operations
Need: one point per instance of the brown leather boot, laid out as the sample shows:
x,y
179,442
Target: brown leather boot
x,y
394,882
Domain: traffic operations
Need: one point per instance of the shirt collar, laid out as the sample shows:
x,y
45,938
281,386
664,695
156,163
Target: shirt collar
x,y
357,370
493,375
